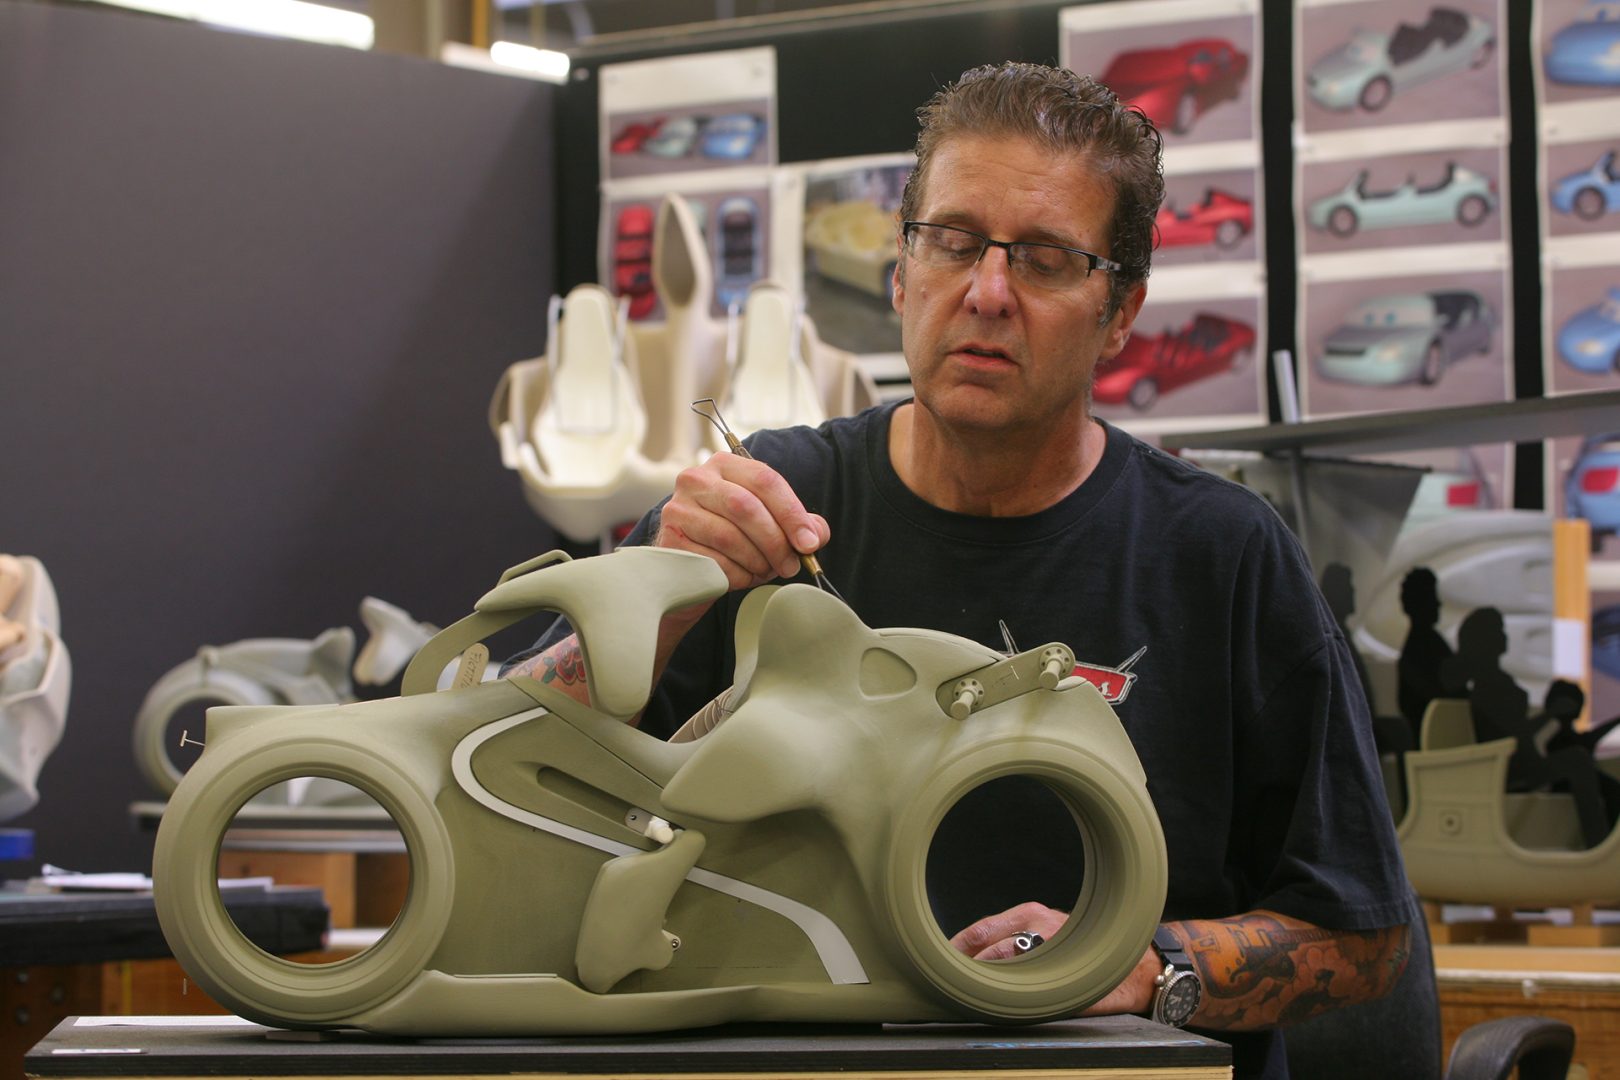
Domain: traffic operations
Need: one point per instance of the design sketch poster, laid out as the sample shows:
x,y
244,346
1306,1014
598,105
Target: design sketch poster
x,y
850,233
1583,481
688,113
1578,83
1401,223
703,126
1192,66
733,213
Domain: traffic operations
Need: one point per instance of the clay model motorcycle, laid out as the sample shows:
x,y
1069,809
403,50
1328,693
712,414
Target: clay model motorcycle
x,y
570,874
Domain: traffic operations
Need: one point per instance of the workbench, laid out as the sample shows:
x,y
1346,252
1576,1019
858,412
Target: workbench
x,y
1101,1048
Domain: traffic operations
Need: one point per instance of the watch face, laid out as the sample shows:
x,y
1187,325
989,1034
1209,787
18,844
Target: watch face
x,y
1180,999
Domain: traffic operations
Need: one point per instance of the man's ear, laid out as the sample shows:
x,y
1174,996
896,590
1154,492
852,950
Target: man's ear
x,y
897,294
1121,322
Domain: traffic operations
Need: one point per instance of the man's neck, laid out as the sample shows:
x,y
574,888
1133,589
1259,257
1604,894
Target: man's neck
x,y
991,476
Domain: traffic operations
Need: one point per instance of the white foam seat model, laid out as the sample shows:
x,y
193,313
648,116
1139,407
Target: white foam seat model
x,y
577,436
35,678
591,420
770,385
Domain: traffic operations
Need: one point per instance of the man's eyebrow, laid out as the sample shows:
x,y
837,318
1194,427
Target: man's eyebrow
x,y
963,219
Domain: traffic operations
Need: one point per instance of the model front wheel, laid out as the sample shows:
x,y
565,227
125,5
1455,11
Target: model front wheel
x,y
1433,364
1228,233
205,939
1376,94
1589,204
1343,221
1143,393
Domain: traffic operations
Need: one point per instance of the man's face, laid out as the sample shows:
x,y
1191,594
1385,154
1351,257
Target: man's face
x,y
986,350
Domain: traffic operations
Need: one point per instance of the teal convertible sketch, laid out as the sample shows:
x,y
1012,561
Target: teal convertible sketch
x,y
1407,337
1373,66
1461,195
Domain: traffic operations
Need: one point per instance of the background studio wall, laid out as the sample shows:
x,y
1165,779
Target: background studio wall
x,y
254,297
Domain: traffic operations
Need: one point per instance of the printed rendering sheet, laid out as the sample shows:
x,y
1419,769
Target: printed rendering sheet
x,y
1400,183
1577,66
1193,66
703,126
847,217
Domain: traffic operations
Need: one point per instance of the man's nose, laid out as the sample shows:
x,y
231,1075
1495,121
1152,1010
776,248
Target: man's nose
x,y
990,291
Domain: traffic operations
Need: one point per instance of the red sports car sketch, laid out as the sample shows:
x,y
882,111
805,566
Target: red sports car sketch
x,y
1221,219
1149,366
1178,84
634,134
632,259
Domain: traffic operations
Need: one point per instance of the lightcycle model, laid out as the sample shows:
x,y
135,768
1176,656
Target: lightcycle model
x,y
570,874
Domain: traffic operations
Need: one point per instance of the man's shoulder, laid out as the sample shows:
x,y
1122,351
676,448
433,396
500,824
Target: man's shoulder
x,y
1162,479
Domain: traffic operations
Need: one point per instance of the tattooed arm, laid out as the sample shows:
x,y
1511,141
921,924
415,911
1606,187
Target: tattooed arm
x,y
1263,970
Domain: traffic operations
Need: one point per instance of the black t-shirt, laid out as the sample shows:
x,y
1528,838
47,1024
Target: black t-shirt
x,y
1190,604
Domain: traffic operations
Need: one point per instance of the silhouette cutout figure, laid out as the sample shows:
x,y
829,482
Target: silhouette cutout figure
x,y
1339,590
1417,672
1501,710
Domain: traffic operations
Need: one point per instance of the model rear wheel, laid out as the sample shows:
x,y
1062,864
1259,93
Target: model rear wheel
x,y
1228,233
1376,94
1472,210
1590,204
1122,890
1143,393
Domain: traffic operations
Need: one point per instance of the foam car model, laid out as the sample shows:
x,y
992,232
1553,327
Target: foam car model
x,y
738,262
572,875
1178,84
732,137
853,243
1587,51
1220,218
632,259
1461,195
1373,66
634,134
1590,193
1407,337
1590,340
1149,366
1592,486
674,138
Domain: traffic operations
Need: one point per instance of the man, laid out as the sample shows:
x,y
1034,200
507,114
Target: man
x,y
994,495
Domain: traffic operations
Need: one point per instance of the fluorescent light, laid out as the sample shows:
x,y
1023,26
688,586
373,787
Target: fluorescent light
x,y
547,64
278,18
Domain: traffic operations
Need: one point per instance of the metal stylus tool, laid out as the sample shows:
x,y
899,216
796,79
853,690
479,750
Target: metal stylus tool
x,y
734,444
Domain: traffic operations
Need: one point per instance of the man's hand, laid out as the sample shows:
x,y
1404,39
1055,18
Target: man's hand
x,y
991,938
742,514
1259,969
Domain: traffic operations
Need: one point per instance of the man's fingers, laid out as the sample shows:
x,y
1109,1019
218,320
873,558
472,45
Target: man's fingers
x,y
743,514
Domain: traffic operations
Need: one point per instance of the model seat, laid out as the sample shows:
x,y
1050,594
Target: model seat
x,y
573,426
770,385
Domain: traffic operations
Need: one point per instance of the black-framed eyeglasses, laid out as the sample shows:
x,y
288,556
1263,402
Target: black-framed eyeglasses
x,y
1047,266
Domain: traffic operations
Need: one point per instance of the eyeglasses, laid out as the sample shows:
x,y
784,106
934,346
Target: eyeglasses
x,y
1047,266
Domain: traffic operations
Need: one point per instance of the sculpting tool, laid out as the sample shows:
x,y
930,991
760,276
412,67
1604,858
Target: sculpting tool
x,y
811,565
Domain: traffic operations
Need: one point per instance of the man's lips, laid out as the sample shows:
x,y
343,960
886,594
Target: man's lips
x,y
975,353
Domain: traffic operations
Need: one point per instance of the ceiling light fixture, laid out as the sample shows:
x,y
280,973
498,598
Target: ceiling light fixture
x,y
277,18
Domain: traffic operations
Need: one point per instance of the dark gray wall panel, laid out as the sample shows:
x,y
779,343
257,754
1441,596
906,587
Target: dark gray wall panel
x,y
254,296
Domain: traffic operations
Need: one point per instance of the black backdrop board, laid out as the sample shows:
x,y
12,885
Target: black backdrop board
x,y
254,297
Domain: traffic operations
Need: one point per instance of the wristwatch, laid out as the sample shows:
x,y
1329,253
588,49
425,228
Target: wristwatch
x,y
1177,991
